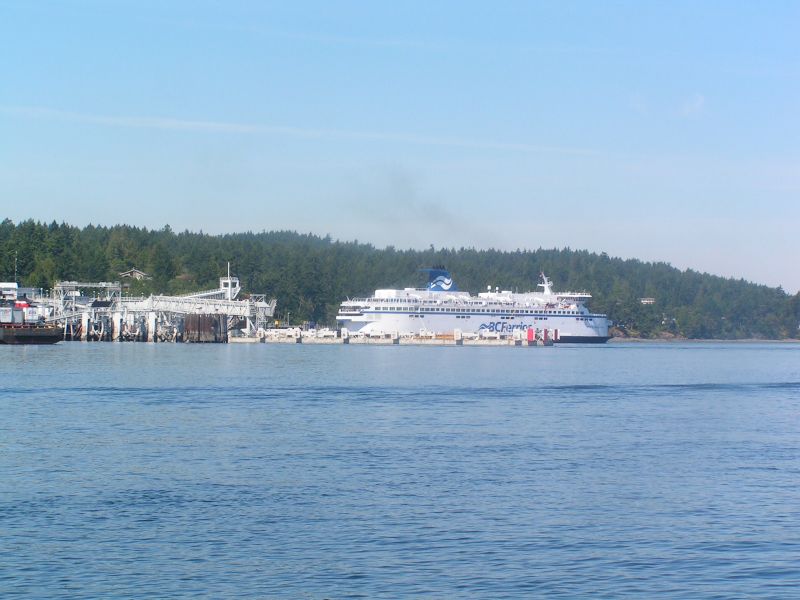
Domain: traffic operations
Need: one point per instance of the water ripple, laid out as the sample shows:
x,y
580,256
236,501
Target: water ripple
x,y
306,474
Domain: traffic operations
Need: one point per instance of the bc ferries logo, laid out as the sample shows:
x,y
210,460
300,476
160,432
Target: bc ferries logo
x,y
503,327
439,280
441,283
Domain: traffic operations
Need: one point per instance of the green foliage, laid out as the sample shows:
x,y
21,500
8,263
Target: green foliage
x,y
311,275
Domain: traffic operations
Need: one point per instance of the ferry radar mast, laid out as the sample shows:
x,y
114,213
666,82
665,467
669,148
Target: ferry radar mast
x,y
546,285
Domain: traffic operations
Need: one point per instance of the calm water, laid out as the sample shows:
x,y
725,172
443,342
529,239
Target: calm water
x,y
334,472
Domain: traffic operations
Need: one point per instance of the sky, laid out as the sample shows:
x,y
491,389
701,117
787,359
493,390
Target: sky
x,y
664,131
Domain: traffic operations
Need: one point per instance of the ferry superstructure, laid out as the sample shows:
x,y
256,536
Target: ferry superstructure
x,y
441,308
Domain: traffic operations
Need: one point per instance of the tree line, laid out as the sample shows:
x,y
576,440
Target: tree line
x,y
310,275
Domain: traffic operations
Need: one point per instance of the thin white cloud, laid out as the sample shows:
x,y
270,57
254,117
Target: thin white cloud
x,y
693,106
202,126
638,103
357,41
308,36
439,45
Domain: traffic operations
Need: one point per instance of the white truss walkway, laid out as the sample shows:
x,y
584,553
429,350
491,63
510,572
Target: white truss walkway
x,y
184,305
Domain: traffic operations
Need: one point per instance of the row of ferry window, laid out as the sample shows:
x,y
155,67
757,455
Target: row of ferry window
x,y
478,310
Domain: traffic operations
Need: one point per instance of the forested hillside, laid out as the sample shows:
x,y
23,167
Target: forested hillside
x,y
310,275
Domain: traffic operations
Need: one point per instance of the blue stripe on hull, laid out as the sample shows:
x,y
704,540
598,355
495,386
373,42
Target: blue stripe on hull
x,y
583,339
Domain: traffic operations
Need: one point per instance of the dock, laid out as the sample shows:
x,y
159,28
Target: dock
x,y
526,338
100,312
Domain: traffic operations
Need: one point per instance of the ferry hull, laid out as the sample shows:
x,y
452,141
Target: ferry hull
x,y
582,339
570,331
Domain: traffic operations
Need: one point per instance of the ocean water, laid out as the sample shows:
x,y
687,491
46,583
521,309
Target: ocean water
x,y
261,471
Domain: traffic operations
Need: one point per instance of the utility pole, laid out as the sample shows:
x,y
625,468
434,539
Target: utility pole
x,y
15,266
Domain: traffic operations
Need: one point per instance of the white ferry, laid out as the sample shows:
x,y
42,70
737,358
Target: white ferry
x,y
441,308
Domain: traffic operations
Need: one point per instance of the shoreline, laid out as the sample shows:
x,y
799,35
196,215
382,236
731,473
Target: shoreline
x,y
633,340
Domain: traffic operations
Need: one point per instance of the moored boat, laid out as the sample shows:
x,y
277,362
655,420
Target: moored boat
x,y
27,333
441,308
15,328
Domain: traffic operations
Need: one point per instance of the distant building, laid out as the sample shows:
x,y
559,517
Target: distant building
x,y
647,300
134,274
8,290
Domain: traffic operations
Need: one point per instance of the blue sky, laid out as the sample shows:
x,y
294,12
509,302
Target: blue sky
x,y
660,131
